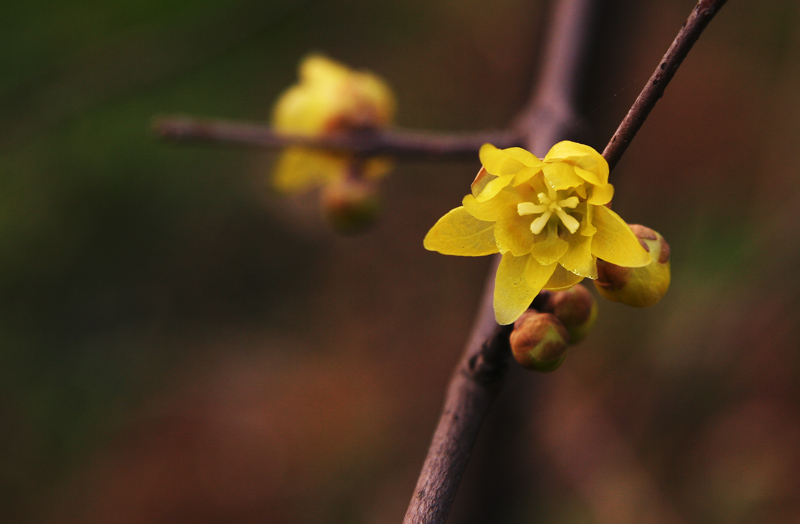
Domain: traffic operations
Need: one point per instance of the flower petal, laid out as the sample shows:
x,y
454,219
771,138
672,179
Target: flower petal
x,y
481,179
488,211
582,156
560,175
517,282
513,234
537,275
302,110
587,229
376,168
601,195
459,233
503,205
493,187
588,176
615,242
578,259
548,248
320,68
525,174
506,161
300,168
562,279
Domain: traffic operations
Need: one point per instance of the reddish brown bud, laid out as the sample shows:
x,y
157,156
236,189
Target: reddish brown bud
x,y
350,205
539,341
576,308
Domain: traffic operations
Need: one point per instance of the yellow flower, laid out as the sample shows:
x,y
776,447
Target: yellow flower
x,y
548,218
330,98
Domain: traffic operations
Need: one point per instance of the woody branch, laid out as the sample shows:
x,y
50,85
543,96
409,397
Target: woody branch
x,y
479,374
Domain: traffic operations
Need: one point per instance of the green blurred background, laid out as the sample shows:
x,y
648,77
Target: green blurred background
x,y
179,344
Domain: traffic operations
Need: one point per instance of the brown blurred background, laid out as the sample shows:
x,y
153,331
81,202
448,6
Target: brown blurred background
x,y
178,344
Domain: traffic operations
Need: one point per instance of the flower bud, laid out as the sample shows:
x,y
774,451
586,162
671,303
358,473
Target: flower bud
x,y
576,309
639,286
350,204
539,341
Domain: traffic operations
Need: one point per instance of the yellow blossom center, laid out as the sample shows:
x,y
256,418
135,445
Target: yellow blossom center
x,y
549,205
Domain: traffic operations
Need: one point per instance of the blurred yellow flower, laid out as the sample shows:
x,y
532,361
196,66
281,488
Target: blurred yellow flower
x,y
330,98
548,218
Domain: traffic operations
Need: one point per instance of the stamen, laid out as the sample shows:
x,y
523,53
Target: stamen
x,y
568,221
549,204
529,208
538,224
570,202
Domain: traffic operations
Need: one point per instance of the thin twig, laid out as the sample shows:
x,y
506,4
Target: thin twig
x,y
654,89
391,142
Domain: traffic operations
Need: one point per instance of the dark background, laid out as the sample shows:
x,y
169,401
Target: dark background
x,y
179,344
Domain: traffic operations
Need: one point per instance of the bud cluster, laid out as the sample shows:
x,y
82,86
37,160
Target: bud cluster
x,y
541,336
540,339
